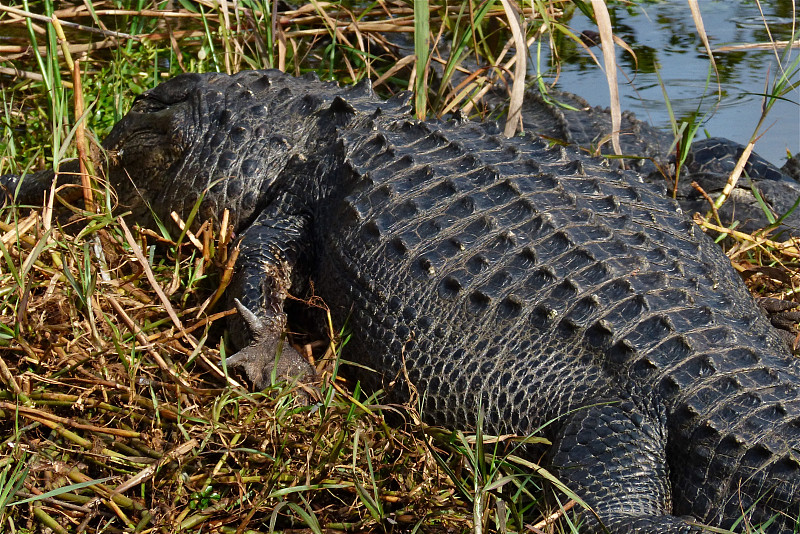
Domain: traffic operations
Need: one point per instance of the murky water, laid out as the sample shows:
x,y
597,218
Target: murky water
x,y
665,40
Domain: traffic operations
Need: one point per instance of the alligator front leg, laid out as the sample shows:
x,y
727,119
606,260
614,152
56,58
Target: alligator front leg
x,y
614,456
269,253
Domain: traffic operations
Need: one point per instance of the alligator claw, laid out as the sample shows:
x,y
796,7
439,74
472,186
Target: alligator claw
x,y
259,361
784,316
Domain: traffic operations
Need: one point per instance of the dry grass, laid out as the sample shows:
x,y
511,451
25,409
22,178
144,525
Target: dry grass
x,y
115,413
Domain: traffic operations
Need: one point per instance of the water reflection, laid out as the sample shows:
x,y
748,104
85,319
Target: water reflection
x,y
664,38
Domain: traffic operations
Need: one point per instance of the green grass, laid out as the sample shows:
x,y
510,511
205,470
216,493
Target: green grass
x,y
120,422
113,420
103,395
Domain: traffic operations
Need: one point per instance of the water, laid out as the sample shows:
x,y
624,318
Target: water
x,y
665,40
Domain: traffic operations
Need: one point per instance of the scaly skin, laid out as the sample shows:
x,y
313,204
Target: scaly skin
x,y
532,283
652,152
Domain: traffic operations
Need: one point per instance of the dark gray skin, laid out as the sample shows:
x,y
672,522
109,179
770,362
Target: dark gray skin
x,y
569,119
532,283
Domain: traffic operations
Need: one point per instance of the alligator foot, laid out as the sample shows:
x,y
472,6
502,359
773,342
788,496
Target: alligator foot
x,y
261,360
784,316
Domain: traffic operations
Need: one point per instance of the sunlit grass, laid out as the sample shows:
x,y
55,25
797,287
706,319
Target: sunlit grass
x,y
115,410
114,331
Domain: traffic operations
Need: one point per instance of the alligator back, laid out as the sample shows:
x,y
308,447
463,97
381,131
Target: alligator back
x,y
709,162
530,282
483,273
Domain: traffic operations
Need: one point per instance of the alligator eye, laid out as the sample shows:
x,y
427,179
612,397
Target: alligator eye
x,y
147,103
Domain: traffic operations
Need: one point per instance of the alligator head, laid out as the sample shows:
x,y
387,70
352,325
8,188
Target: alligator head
x,y
202,136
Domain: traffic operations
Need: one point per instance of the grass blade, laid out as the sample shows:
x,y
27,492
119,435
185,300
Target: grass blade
x,y
422,54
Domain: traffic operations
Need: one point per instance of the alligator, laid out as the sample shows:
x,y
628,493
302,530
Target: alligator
x,y
499,276
567,118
